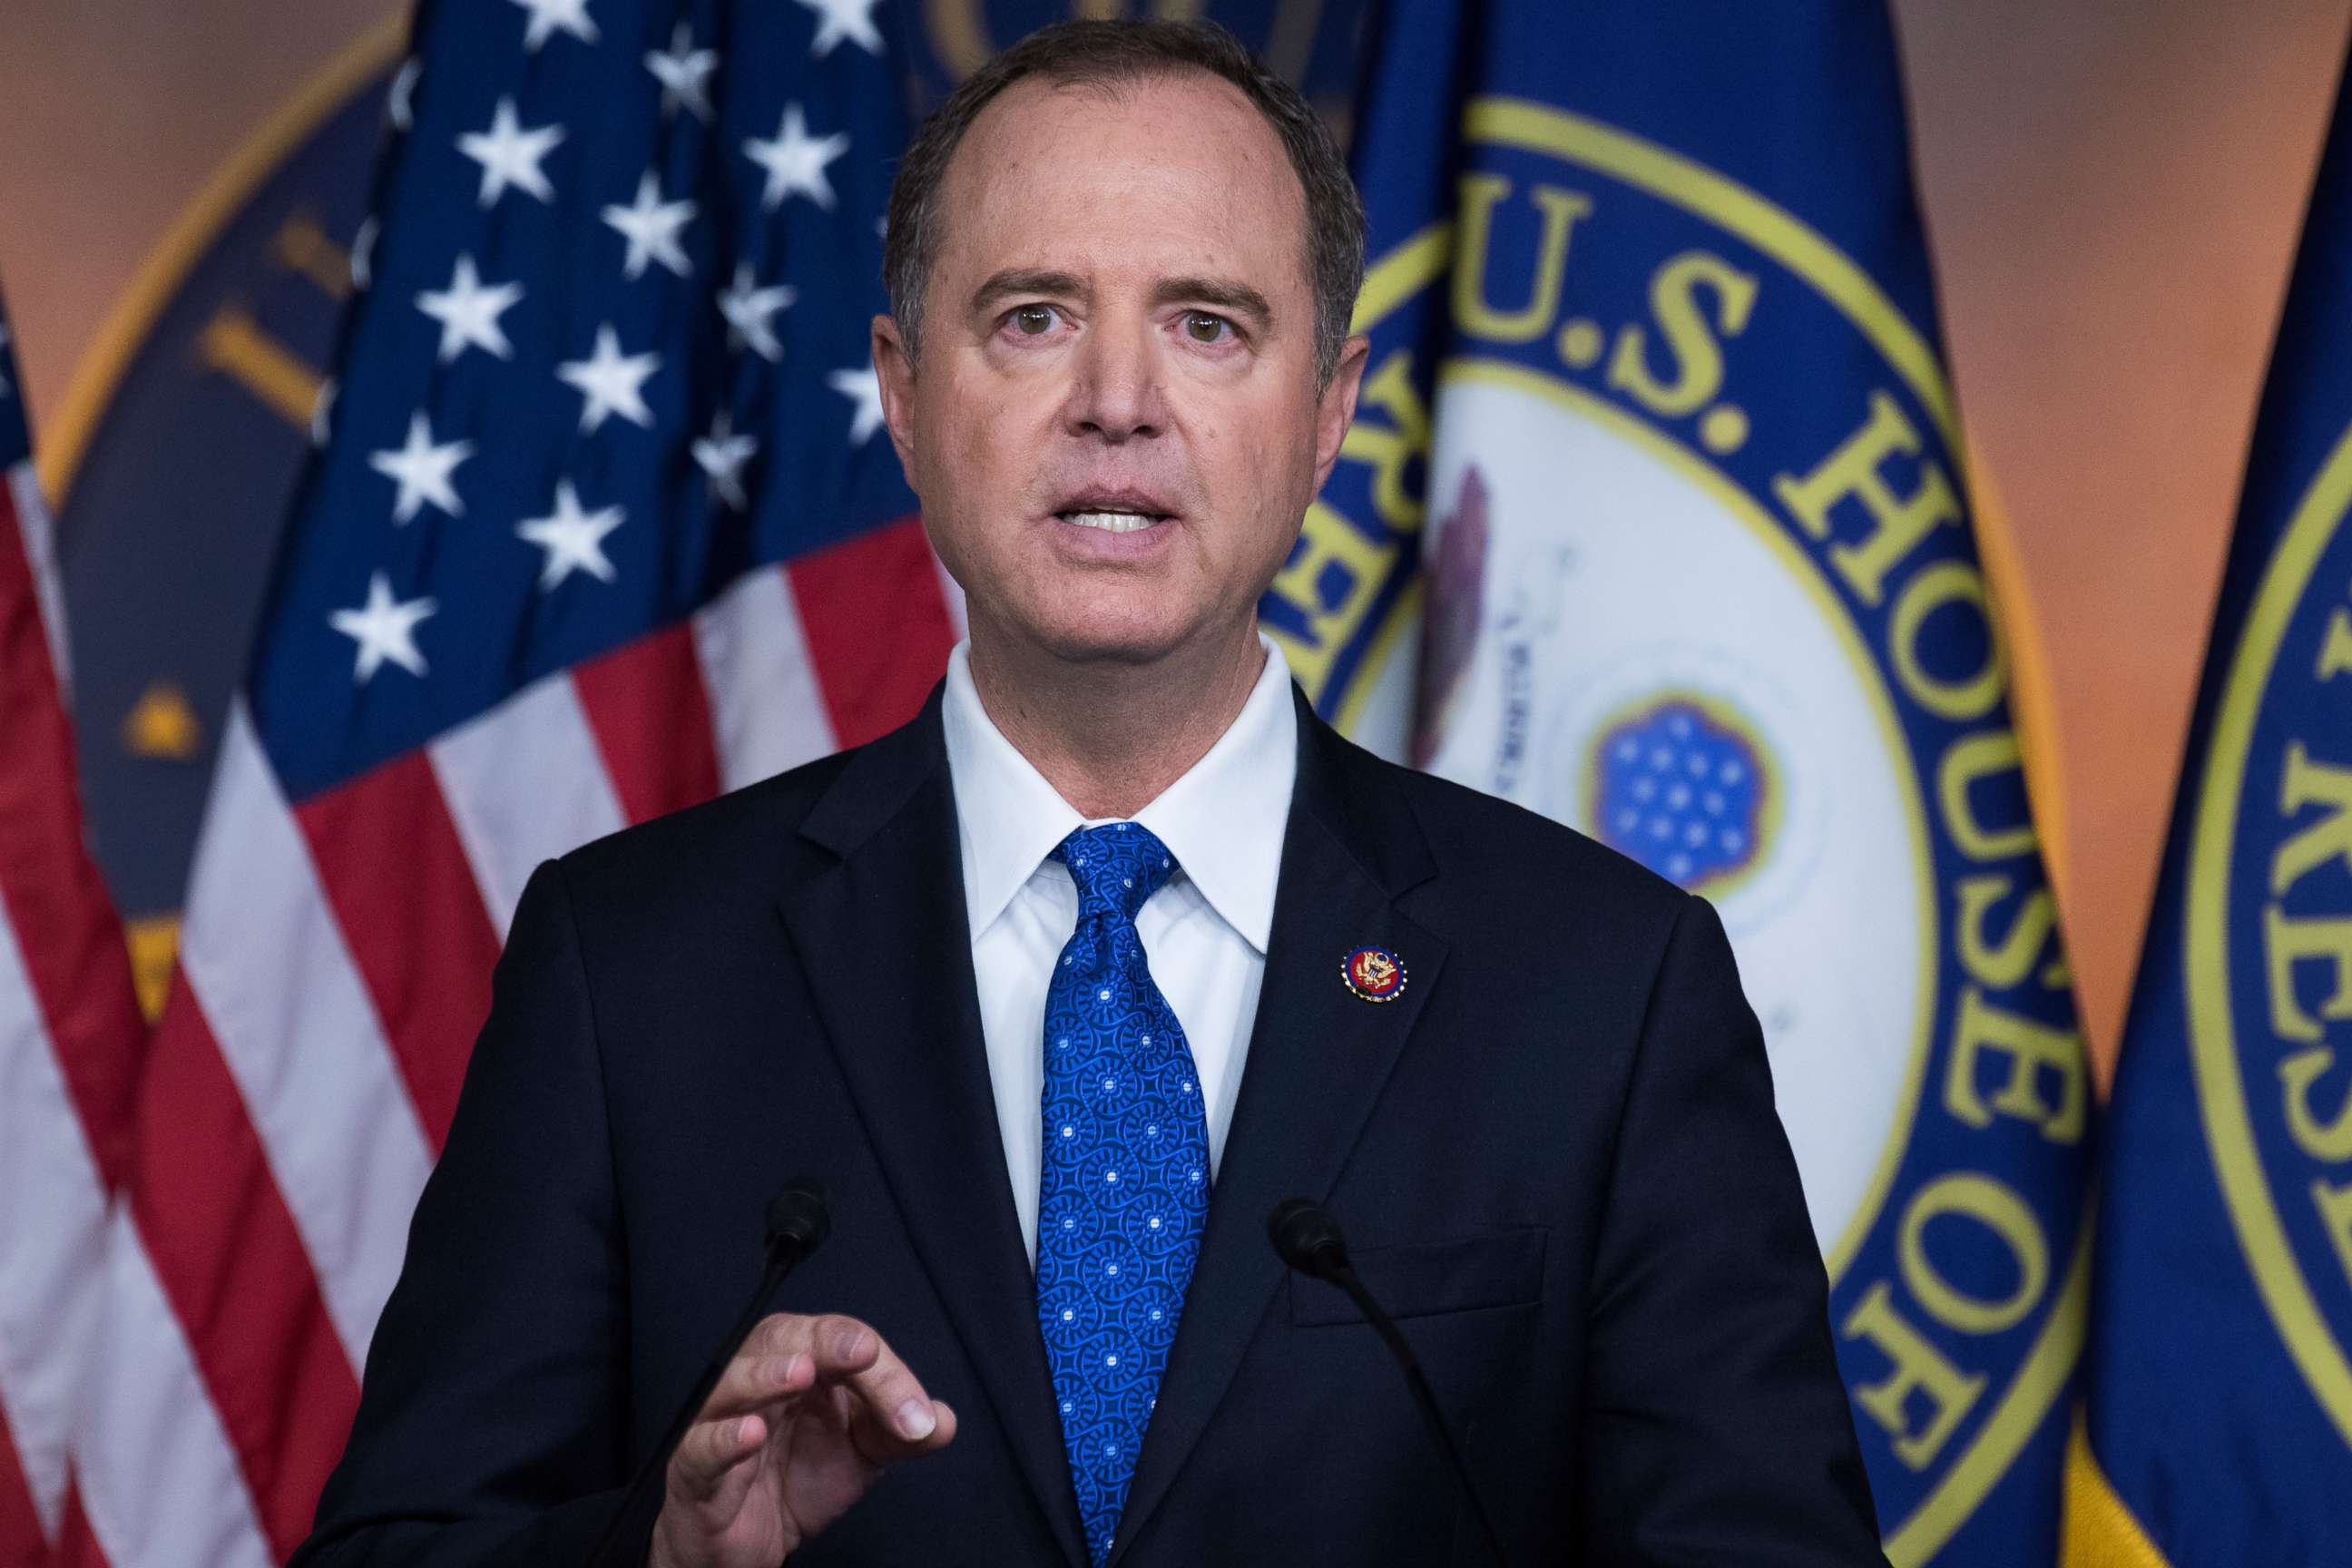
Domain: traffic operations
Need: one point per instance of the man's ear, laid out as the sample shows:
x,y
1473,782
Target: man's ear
x,y
894,367
1335,409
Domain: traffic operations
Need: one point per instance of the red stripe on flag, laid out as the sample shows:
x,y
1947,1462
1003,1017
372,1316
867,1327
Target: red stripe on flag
x,y
233,1266
876,626
651,717
397,876
20,1527
78,1544
54,901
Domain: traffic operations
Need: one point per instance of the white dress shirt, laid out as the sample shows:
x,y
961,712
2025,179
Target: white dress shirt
x,y
1204,931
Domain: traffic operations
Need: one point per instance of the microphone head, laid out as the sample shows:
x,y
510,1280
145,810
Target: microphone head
x,y
1308,1238
798,1215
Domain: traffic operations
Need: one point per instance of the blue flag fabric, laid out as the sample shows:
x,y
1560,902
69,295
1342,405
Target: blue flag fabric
x,y
1652,519
2220,1372
621,285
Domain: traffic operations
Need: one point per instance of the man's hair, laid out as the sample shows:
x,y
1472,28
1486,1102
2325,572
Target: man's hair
x,y
1110,54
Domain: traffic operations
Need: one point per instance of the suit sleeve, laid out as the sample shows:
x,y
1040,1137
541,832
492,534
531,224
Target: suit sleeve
x,y
1716,1431
489,1424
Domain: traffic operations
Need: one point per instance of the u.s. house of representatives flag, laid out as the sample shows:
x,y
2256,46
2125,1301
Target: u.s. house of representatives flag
x,y
1656,413
2220,1367
70,1033
605,521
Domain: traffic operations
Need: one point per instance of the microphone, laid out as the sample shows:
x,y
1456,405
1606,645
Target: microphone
x,y
1309,1239
797,1222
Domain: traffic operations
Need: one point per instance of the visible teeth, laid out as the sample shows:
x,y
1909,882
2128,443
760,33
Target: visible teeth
x,y
1109,522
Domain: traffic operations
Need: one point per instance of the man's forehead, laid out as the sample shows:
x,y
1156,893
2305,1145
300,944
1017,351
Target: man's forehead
x,y
1185,151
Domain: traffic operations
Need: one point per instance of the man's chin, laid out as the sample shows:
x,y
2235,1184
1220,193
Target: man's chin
x,y
1119,640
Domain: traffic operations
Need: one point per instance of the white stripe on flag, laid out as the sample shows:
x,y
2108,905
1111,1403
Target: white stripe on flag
x,y
52,1240
765,704
525,782
160,1482
276,980
41,556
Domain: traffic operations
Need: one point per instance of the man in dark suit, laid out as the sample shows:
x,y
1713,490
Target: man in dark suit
x,y
1062,987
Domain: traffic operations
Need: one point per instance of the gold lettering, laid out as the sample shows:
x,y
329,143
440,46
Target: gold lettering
x,y
1330,549
2336,653
1898,523
301,246
2306,783
2335,1214
234,343
2007,965
2287,941
1389,448
1972,758
2033,1048
1998,1209
2332,1142
1918,1368
1697,356
1560,210
1951,582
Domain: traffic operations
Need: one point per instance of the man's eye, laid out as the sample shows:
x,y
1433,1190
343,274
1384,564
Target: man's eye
x,y
1204,327
1032,321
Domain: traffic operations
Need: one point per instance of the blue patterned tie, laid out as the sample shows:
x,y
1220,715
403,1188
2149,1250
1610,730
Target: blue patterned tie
x,y
1126,1171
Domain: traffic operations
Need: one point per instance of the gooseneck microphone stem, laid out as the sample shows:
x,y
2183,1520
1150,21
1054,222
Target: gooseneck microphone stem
x,y
798,1220
1310,1241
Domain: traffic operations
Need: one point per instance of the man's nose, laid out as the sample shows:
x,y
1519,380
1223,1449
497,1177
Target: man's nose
x,y
1118,395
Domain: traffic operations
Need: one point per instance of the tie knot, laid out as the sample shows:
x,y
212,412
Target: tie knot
x,y
1116,867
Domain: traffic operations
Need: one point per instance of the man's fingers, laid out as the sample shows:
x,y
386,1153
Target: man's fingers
x,y
713,1451
756,1378
849,1353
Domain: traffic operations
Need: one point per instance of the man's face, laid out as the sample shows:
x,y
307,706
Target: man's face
x,y
1116,429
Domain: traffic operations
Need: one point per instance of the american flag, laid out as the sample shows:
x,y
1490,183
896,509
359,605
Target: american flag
x,y
605,521
70,1031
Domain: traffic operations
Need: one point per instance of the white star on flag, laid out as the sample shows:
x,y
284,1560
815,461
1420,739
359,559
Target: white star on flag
x,y
386,630
651,226
795,161
548,16
363,253
469,313
400,103
612,381
864,388
510,156
750,313
684,72
721,454
572,537
421,470
839,19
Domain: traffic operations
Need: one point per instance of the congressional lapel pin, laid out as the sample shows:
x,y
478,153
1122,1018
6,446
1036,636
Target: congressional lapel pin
x,y
1374,973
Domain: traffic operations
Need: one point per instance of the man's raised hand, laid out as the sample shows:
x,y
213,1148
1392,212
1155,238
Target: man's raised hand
x,y
800,1423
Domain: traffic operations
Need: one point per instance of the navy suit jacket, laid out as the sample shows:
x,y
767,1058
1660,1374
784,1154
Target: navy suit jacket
x,y
1555,1155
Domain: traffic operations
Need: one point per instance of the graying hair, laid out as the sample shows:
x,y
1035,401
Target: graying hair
x,y
1111,54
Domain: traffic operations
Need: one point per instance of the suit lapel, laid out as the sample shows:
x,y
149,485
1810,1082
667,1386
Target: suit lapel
x,y
1318,1058
885,941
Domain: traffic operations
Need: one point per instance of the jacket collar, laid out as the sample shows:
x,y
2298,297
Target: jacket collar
x,y
883,932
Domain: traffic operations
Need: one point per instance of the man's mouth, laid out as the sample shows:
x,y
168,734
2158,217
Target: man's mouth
x,y
1112,522
1114,509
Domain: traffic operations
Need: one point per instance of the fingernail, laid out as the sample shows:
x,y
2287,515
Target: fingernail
x,y
916,1420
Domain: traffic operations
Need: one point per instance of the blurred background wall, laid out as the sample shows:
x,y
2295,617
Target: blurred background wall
x,y
2112,190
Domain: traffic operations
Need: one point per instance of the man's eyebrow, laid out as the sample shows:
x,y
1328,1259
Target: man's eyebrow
x,y
1015,281
1222,293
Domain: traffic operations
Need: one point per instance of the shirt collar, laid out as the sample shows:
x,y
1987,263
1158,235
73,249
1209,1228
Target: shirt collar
x,y
1223,820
